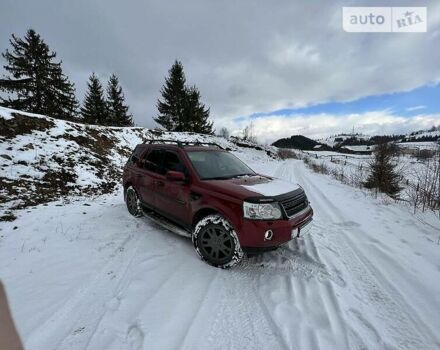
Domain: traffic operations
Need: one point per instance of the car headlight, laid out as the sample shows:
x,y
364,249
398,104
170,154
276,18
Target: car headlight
x,y
262,211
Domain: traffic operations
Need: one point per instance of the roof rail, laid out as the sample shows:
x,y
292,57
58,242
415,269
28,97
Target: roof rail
x,y
181,144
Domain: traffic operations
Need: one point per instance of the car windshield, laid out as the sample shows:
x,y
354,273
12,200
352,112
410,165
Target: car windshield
x,y
218,165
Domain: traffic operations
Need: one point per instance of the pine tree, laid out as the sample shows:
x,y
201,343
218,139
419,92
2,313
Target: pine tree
x,y
181,109
36,82
383,174
117,110
196,115
174,94
94,109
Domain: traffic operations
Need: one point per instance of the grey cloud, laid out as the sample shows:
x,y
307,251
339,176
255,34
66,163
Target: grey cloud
x,y
245,56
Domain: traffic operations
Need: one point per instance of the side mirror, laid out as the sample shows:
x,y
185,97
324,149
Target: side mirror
x,y
175,176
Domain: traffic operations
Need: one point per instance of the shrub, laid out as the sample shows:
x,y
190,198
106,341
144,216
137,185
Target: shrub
x,y
383,175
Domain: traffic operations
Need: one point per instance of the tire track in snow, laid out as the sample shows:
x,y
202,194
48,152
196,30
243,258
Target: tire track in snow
x,y
54,330
82,314
241,320
185,344
299,282
128,332
406,328
118,323
303,282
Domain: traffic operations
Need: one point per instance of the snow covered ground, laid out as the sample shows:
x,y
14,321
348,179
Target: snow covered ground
x,y
87,275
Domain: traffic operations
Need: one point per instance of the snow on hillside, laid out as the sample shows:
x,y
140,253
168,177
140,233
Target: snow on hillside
x,y
42,158
426,145
332,141
424,134
418,137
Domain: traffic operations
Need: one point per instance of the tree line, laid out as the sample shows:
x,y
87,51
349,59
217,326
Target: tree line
x,y
36,83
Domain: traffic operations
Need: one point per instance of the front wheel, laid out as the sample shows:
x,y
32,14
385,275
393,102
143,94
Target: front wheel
x,y
216,242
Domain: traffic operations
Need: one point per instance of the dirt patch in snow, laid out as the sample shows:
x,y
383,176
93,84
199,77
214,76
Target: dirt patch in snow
x,y
96,141
22,125
8,216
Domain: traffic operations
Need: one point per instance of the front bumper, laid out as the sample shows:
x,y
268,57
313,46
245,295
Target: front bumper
x,y
252,232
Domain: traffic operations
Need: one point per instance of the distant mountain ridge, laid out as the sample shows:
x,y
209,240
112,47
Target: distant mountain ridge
x,y
344,141
300,142
354,139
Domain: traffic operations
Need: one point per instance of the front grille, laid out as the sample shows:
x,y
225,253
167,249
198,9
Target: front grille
x,y
294,204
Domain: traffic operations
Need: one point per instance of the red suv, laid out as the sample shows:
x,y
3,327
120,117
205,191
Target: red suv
x,y
213,197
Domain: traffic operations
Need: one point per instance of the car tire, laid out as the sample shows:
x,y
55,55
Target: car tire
x,y
133,202
216,242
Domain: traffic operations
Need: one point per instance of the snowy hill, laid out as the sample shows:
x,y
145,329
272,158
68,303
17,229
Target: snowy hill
x,y
300,142
432,135
423,135
335,140
44,159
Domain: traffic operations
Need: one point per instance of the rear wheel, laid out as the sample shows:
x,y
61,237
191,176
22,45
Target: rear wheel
x,y
216,242
133,203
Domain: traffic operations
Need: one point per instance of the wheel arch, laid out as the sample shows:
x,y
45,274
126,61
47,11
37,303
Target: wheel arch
x,y
126,186
203,212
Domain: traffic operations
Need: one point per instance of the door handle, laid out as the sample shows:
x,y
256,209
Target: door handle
x,y
160,183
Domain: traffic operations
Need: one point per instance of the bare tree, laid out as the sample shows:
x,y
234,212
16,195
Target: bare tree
x,y
424,187
224,132
248,133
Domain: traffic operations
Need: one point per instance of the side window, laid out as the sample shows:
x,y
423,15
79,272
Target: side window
x,y
153,162
172,162
136,154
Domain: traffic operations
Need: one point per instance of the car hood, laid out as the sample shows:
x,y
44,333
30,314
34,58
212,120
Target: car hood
x,y
253,186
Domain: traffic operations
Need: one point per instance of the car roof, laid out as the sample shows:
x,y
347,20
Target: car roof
x,y
192,148
188,148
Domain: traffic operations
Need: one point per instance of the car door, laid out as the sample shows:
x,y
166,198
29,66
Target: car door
x,y
148,176
173,196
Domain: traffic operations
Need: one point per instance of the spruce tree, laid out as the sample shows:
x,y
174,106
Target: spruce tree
x,y
383,175
181,109
36,82
171,109
117,109
196,115
94,109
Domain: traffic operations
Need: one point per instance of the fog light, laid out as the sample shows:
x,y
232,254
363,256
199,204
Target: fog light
x,y
268,235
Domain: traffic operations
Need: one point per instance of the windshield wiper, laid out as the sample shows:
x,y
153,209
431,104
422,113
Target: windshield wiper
x,y
218,178
227,177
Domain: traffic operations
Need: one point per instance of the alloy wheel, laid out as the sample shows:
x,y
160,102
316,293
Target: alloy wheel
x,y
216,244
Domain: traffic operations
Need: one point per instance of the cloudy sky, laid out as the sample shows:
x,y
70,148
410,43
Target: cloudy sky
x,y
285,65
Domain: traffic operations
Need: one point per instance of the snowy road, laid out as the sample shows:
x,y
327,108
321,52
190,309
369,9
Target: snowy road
x,y
88,276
